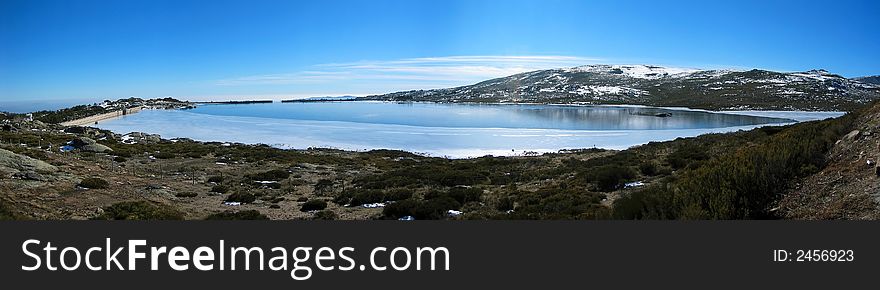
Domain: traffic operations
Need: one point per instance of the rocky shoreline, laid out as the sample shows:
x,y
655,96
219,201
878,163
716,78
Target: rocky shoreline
x,y
90,120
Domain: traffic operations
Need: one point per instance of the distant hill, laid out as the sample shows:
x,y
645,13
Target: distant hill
x,y
870,80
662,86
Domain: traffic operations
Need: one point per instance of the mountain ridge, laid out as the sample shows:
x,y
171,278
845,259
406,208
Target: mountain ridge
x,y
869,79
754,89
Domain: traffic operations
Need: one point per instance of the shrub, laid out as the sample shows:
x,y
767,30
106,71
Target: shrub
x,y
555,203
243,197
314,204
685,155
406,207
397,194
462,194
119,159
610,177
139,210
648,168
238,215
435,208
164,155
220,188
364,196
186,194
94,183
323,184
326,215
271,175
504,204
215,179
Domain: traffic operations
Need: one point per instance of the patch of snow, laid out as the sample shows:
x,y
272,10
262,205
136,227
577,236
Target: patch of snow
x,y
633,184
373,205
819,75
636,71
791,92
608,90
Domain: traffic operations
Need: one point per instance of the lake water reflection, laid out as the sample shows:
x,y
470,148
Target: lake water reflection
x,y
491,116
454,130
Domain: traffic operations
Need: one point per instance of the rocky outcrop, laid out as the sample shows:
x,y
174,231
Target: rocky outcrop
x,y
14,163
29,175
88,145
849,185
141,138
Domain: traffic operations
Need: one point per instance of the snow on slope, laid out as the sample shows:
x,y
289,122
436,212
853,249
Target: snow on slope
x,y
635,71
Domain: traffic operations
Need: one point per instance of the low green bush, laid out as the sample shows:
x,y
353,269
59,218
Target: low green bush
x,y
238,215
139,210
164,155
648,168
326,215
186,194
243,197
323,184
364,196
432,209
94,183
271,175
610,177
315,204
220,188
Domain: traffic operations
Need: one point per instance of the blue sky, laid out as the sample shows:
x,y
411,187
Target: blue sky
x,y
66,50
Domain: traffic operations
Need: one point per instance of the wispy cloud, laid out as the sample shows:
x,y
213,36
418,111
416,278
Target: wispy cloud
x,y
426,72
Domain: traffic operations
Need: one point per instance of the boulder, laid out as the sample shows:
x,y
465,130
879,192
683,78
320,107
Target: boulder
x,y
141,138
29,175
18,162
152,138
75,130
88,145
852,135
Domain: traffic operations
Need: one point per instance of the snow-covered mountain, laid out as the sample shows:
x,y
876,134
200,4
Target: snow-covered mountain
x,y
662,86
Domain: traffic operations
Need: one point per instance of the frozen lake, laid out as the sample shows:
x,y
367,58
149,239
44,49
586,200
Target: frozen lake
x,y
453,130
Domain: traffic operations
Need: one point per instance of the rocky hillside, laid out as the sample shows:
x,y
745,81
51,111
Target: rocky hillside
x,y
849,185
869,80
660,86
